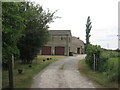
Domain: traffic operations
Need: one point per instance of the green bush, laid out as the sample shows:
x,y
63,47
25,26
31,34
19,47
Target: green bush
x,y
101,60
113,73
110,53
102,64
91,50
106,62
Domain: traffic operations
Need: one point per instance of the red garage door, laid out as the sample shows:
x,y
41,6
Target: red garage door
x,y
59,50
46,51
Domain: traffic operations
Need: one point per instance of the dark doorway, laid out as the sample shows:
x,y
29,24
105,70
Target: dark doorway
x,y
78,50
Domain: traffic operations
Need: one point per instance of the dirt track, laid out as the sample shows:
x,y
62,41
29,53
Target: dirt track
x,y
62,74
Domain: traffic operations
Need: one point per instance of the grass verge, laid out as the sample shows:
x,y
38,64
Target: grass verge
x,y
24,80
61,67
98,78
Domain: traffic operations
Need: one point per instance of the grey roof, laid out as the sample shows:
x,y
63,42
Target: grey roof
x,y
60,32
76,41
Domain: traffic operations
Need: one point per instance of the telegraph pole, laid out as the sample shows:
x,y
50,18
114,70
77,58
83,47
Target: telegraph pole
x,y
107,45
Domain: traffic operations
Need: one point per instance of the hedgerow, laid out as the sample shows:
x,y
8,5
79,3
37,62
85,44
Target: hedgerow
x,y
99,60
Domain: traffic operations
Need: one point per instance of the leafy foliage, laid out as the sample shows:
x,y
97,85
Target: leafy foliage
x,y
36,34
24,29
12,28
110,53
88,29
91,51
113,71
98,58
104,63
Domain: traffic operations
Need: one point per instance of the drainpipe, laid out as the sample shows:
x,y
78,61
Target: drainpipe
x,y
53,47
67,45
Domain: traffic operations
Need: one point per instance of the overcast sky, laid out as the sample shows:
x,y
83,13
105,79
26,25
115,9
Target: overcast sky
x,y
74,13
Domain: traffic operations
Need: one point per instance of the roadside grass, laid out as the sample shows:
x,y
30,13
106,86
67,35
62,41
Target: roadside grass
x,y
114,60
110,54
24,80
98,78
61,67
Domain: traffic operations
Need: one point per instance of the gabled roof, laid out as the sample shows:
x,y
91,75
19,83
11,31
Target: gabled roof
x,y
60,32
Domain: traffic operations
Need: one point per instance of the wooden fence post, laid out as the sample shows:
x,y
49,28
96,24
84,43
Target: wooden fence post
x,y
10,71
94,62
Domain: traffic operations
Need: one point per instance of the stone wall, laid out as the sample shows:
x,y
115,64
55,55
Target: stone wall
x,y
61,40
77,44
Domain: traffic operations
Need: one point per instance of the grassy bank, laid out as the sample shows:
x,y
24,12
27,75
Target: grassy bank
x,y
98,78
24,80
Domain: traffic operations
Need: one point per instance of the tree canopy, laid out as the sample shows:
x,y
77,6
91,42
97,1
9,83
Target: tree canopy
x,y
12,28
25,28
88,28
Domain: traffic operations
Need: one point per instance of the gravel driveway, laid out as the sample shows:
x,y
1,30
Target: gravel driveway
x,y
62,74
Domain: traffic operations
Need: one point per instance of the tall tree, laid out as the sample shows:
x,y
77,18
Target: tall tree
x,y
88,29
36,34
12,28
24,29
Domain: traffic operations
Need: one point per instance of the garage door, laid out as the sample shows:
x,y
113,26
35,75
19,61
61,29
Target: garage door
x,y
59,50
46,51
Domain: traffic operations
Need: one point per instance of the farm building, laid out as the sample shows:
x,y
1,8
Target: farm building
x,y
77,46
61,42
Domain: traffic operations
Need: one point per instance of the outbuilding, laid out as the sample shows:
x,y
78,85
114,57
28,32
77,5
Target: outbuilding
x,y
61,42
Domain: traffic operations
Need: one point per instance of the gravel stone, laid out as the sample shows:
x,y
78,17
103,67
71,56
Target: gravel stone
x,y
69,77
